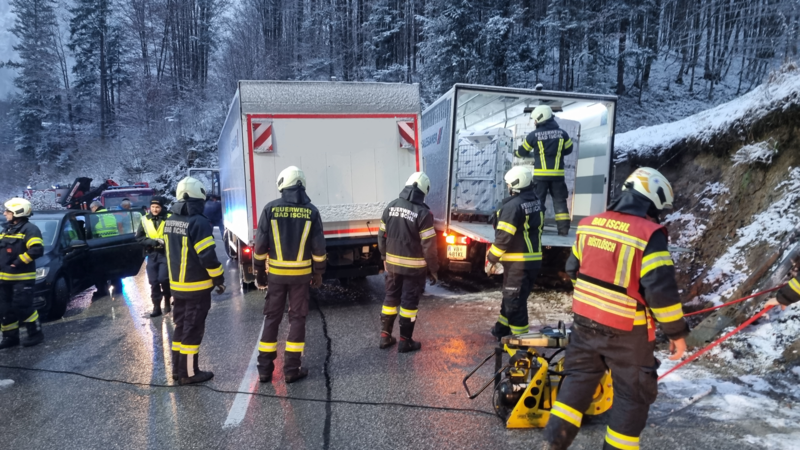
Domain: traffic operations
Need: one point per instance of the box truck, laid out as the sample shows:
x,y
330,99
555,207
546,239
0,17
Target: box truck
x,y
468,140
356,142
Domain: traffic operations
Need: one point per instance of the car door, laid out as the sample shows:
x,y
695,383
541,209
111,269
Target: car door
x,y
75,263
114,254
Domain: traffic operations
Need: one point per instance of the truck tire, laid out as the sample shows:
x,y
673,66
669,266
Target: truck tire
x,y
59,299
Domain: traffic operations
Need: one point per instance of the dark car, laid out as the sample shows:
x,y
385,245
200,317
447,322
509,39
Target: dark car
x,y
78,255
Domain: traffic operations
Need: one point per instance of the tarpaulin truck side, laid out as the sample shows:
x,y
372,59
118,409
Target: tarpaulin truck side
x,y
468,140
356,142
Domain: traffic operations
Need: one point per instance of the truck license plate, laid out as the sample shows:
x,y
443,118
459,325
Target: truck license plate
x,y
457,252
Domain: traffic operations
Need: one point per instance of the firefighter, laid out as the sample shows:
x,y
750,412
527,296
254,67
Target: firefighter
x,y
407,242
22,243
547,145
194,271
517,248
624,282
104,223
289,254
151,235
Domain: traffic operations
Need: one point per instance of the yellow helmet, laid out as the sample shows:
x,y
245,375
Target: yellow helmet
x,y
541,113
422,180
519,177
291,176
650,183
19,207
190,188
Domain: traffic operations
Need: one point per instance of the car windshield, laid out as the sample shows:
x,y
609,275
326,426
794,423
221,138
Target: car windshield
x,y
49,229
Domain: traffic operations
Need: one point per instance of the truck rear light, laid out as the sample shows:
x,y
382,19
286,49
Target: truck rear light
x,y
451,239
463,240
247,250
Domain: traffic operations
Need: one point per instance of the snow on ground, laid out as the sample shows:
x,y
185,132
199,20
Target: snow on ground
x,y
760,152
769,227
778,94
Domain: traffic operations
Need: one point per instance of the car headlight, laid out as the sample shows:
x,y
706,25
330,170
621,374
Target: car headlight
x,y
41,273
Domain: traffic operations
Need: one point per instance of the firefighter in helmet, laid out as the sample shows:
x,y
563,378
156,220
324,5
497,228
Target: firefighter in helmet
x,y
194,271
517,248
546,146
21,243
407,242
151,235
624,282
290,254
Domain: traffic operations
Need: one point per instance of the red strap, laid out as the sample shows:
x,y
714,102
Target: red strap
x,y
717,342
734,301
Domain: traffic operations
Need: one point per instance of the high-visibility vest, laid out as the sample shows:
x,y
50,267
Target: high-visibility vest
x,y
610,247
106,225
150,229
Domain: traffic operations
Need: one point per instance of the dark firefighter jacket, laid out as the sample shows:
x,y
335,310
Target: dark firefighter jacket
x,y
790,293
152,228
655,277
290,244
191,253
546,145
407,240
20,244
518,231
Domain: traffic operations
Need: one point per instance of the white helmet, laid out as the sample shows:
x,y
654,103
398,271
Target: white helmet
x,y
291,176
650,183
422,181
541,113
190,188
19,207
519,177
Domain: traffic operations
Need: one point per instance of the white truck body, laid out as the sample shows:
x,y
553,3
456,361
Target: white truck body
x,y
468,110
356,142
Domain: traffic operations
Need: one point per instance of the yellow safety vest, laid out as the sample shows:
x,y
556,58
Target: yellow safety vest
x,y
106,225
150,229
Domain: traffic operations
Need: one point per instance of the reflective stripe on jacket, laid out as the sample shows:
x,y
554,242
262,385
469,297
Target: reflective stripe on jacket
x,y
518,231
191,252
614,255
20,245
407,239
545,147
290,243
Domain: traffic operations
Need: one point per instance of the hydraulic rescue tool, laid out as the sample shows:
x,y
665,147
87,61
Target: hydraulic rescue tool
x,y
525,387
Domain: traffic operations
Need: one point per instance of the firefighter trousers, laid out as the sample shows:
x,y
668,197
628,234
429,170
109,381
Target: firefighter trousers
x,y
404,291
158,276
297,296
189,315
634,374
16,303
517,285
559,192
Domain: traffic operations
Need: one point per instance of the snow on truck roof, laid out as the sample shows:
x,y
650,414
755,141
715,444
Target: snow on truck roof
x,y
327,97
779,93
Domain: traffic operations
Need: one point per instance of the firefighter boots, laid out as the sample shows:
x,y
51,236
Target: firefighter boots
x,y
156,310
10,339
35,335
265,372
406,331
499,330
291,367
199,375
387,324
167,306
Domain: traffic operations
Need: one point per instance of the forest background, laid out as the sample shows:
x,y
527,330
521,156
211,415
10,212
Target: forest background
x,y
138,89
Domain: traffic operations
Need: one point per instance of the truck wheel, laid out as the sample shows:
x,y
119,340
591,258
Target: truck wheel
x,y
59,299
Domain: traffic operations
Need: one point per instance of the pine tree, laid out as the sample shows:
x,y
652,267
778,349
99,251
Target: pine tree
x,y
37,81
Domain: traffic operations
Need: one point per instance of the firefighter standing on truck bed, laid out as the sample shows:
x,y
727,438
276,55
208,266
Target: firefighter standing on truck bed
x,y
194,271
518,248
624,278
289,254
20,243
547,145
407,242
151,235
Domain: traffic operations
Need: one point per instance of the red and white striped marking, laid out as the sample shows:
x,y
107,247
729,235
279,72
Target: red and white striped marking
x,y
262,136
407,134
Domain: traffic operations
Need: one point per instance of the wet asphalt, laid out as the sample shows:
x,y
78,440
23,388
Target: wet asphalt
x,y
350,399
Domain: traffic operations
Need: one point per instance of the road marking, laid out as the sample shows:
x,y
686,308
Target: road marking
x,y
249,384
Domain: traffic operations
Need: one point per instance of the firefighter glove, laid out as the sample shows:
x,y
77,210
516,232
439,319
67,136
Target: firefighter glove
x,y
316,280
218,281
433,277
220,289
261,278
493,268
160,242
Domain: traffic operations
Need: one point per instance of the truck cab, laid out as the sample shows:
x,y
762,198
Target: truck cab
x,y
469,136
139,195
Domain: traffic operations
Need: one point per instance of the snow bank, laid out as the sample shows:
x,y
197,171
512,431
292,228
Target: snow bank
x,y
780,93
769,227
